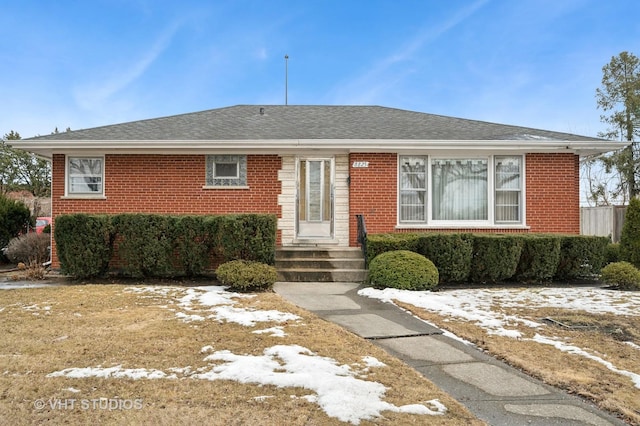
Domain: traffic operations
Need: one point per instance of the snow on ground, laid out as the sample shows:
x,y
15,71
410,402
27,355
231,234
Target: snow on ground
x,y
340,390
477,306
214,302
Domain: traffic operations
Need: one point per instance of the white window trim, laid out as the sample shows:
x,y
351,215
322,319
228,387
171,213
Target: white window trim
x,y
67,175
490,223
215,169
522,191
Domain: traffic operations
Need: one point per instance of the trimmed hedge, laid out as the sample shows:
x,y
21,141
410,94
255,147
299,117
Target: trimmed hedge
x,y
581,256
402,269
462,257
84,244
151,245
539,258
495,257
145,243
382,243
451,253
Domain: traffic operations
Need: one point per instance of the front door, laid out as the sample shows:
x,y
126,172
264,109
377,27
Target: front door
x,y
315,198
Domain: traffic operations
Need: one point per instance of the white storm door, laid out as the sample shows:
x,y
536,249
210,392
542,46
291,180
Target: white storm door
x,y
315,198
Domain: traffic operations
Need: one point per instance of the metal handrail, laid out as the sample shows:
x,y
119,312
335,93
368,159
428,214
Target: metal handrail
x,y
362,234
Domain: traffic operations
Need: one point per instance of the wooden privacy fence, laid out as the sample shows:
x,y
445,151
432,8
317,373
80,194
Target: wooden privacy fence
x,y
603,221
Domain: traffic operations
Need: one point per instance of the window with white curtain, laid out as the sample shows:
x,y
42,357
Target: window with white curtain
x,y
413,188
444,190
459,189
508,188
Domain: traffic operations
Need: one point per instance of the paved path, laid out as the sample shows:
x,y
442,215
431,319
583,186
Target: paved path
x,y
490,389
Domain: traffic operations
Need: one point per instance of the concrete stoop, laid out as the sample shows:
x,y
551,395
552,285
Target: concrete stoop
x,y
313,264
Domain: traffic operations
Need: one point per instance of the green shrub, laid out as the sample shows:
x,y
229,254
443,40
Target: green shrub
x,y
192,250
621,274
83,244
612,253
145,244
243,236
14,219
495,257
630,236
30,249
581,256
403,269
243,275
450,253
539,258
381,243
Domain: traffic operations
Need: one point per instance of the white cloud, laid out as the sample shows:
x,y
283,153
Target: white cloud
x,y
94,94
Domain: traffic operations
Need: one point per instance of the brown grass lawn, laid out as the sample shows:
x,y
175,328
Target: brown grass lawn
x,y
45,330
601,334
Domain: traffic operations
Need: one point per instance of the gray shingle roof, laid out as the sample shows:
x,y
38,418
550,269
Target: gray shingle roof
x,y
245,122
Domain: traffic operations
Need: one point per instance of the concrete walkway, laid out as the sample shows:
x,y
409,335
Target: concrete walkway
x,y
490,389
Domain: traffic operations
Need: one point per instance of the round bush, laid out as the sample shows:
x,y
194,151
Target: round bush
x,y
243,275
30,249
621,274
404,270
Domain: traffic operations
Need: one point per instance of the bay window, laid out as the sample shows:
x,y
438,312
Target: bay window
x,y
452,191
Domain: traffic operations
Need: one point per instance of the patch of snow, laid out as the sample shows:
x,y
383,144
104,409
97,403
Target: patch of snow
x,y
116,372
217,302
633,345
249,317
206,349
189,318
478,306
581,352
371,361
337,390
262,398
74,390
272,331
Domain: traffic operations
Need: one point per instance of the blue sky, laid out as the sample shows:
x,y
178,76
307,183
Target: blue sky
x,y
533,63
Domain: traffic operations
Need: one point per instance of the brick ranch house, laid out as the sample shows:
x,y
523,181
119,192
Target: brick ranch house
x,y
317,167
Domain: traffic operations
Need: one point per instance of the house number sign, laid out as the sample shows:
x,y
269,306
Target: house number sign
x,y
360,164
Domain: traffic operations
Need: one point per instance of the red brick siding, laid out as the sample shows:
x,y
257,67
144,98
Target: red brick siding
x,y
171,184
553,193
373,193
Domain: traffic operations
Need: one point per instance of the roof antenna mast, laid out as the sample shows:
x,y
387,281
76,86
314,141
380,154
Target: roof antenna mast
x,y
286,79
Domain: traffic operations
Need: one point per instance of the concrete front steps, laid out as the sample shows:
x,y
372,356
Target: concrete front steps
x,y
313,264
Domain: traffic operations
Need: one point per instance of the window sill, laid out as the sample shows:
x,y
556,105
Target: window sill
x,y
209,187
460,226
83,197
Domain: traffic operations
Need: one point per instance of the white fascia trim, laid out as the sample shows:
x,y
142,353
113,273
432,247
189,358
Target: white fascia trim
x,y
47,148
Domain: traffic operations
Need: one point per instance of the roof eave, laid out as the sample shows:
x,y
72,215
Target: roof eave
x,y
46,148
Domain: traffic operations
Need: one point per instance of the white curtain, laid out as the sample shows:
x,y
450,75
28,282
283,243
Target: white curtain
x,y
459,189
413,188
508,189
